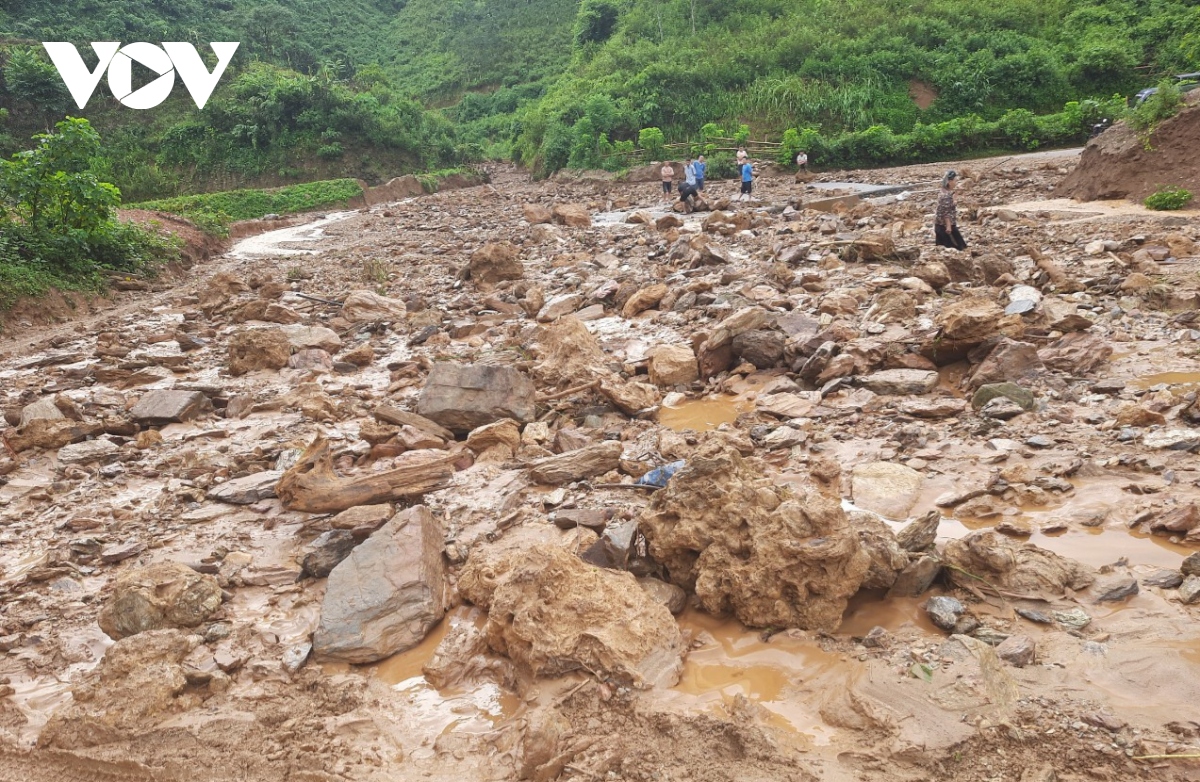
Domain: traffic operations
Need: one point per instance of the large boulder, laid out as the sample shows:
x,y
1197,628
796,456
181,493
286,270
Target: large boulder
x,y
748,545
387,594
672,365
1021,568
464,397
253,349
163,595
886,488
495,262
571,214
550,613
369,307
157,408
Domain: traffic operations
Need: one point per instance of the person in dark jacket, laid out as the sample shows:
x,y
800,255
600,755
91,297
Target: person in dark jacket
x,y
945,220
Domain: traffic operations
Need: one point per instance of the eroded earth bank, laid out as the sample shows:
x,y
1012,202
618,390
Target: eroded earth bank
x,y
361,499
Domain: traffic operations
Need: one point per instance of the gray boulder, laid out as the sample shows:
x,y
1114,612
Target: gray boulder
x,y
465,397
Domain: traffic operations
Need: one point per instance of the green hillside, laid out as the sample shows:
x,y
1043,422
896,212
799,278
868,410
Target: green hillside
x,y
373,88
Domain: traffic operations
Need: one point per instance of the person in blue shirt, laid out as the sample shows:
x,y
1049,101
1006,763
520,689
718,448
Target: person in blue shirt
x,y
701,172
688,189
747,181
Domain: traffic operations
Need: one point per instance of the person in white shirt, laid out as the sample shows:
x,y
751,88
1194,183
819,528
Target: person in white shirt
x,y
802,161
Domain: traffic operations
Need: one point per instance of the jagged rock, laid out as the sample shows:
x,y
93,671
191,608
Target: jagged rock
x,y
253,349
42,410
158,408
87,451
1164,579
1011,391
498,261
569,353
944,407
1009,360
667,222
888,559
1114,589
387,594
917,577
616,547
165,594
1021,568
1191,565
669,595
630,397
247,490
1018,650
536,214
645,299
311,360
945,612
763,349
575,215
901,382
505,433
921,534
363,517
305,337
970,320
672,365
464,397
397,417
748,545
1173,439
327,551
551,613
1077,353
559,306
1189,590
369,307
885,488
586,462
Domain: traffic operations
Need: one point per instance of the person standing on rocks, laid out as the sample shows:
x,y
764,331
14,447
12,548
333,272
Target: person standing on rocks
x,y
747,181
742,157
668,176
945,220
689,174
701,167
689,189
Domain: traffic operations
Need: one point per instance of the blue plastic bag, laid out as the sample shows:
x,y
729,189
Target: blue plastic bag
x,y
660,475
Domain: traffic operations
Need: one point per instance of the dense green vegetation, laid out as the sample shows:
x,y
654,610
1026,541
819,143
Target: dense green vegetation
x,y
1168,198
58,221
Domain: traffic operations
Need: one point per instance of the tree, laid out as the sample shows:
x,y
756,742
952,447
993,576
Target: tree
x,y
596,21
35,83
652,140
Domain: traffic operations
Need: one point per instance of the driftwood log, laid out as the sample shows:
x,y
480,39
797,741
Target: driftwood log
x,y
311,486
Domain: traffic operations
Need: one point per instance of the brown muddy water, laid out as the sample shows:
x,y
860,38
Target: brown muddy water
x,y
704,415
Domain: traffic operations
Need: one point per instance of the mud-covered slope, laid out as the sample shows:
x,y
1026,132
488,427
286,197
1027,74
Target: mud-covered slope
x,y
1116,164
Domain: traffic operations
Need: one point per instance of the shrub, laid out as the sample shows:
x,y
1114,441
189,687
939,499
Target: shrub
x,y
1162,105
1168,199
652,140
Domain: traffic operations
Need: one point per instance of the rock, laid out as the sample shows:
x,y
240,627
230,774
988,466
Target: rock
x,y
498,261
253,349
311,360
368,307
885,488
536,214
916,579
559,306
551,613
669,595
900,382
616,547
1037,617
944,407
158,408
247,490
506,433
1018,650
1075,619
970,320
1015,567
42,410
575,215
945,612
1009,360
1189,590
397,417
631,398
888,560
1114,589
578,517
920,535
1173,439
363,517
1011,391
1077,353
163,595
645,299
305,337
87,451
876,638
387,594
1164,579
667,222
1191,565
1001,409
763,349
119,552
745,544
327,551
586,462
464,397
672,365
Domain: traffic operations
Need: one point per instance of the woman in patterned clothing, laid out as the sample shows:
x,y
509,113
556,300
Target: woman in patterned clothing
x,y
945,220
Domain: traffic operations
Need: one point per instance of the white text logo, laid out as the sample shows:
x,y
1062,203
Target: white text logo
x,y
117,60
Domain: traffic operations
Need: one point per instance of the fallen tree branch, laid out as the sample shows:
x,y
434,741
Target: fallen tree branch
x,y
570,391
312,486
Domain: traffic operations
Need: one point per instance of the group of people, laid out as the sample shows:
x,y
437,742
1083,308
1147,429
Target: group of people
x,y
945,220
694,173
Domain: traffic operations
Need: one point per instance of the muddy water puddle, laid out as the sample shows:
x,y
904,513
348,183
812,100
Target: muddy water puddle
x,y
475,707
704,415
1180,382
736,661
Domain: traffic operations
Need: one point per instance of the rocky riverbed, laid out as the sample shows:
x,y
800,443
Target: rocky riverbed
x,y
548,480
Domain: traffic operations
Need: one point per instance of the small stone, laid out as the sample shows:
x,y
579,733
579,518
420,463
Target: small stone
x,y
1075,619
989,635
120,552
1001,409
901,382
1173,439
1191,565
592,519
1011,391
1189,590
158,408
87,451
945,612
247,490
1019,650
876,638
1037,617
